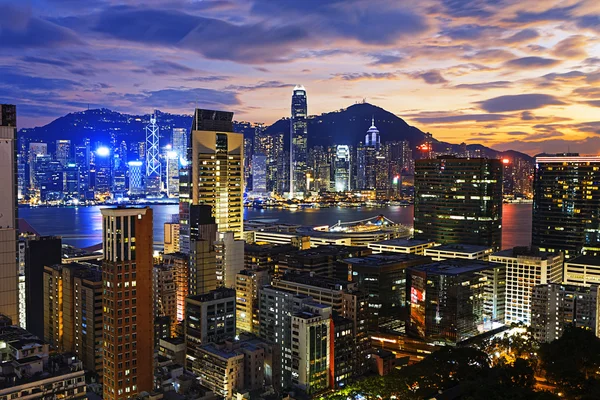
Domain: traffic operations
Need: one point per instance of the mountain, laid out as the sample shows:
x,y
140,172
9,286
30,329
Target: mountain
x,y
345,126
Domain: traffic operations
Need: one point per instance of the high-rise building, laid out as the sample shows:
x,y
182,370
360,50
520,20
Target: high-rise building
x,y
342,168
152,177
180,143
247,288
447,300
230,258
136,178
171,235
165,295
555,306
73,312
216,171
526,268
82,160
8,212
298,141
71,180
180,265
40,251
63,151
103,171
259,173
566,204
127,302
459,200
35,149
202,253
582,270
172,172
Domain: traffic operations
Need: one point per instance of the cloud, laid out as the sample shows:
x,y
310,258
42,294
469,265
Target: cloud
x,y
551,14
213,38
589,22
555,79
470,32
184,97
46,61
431,77
527,116
571,47
519,102
449,119
490,55
531,62
260,85
467,9
208,78
588,91
19,30
593,103
161,67
9,77
522,36
373,23
359,76
385,59
485,85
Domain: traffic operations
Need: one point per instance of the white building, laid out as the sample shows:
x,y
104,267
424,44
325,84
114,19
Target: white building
x,y
526,268
583,270
343,168
462,251
230,258
406,246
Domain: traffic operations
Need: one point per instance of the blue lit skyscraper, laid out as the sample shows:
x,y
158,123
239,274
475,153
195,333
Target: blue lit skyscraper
x,y
136,178
298,141
152,158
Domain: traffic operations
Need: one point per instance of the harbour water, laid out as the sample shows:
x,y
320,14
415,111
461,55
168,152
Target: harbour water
x,y
81,226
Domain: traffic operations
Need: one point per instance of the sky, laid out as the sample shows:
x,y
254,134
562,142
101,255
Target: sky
x,y
522,75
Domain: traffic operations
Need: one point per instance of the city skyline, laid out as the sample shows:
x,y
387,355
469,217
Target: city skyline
x,y
530,91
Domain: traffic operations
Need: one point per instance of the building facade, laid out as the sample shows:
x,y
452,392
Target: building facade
x,y
298,142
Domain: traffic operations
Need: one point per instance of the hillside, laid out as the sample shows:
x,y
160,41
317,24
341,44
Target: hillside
x,y
346,126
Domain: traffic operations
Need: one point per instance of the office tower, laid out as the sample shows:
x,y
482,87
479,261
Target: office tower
x,y
526,268
383,277
370,157
209,317
8,212
136,178
259,173
40,251
165,294
119,187
248,158
180,143
82,160
555,306
447,300
180,264
35,149
201,250
383,179
350,311
283,172
73,312
342,169
72,181
360,167
127,302
230,258
565,204
103,171
171,235
216,174
162,328
50,178
63,152
372,138
247,288
273,150
152,177
298,142
582,270
172,171
459,200
29,371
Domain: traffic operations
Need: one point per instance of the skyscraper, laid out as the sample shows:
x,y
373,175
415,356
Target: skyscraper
x,y
342,168
216,177
152,158
127,302
63,151
136,178
566,204
459,200
35,149
180,143
8,212
298,141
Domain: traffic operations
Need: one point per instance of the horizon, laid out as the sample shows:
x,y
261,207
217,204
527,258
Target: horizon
x,y
533,90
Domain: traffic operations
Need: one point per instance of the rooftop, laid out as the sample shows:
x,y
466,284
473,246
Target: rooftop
x,y
459,247
523,251
585,260
382,260
310,279
454,267
217,294
220,351
403,242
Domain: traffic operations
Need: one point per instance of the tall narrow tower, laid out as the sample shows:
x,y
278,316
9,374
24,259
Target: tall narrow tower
x,y
152,158
128,332
298,141
8,212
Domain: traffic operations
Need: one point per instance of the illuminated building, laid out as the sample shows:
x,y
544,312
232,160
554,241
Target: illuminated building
x,y
127,302
342,169
526,268
298,142
82,160
556,306
180,143
220,369
103,170
172,174
230,258
73,312
583,270
456,250
447,300
247,287
35,149
459,200
171,235
136,178
215,175
9,297
566,204
153,172
408,246
165,294
180,265
259,173
383,278
63,151
72,180
202,256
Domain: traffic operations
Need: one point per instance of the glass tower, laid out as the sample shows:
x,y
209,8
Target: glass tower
x,y
298,139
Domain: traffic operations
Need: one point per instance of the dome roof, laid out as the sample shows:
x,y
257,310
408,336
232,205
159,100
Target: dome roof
x,y
299,87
